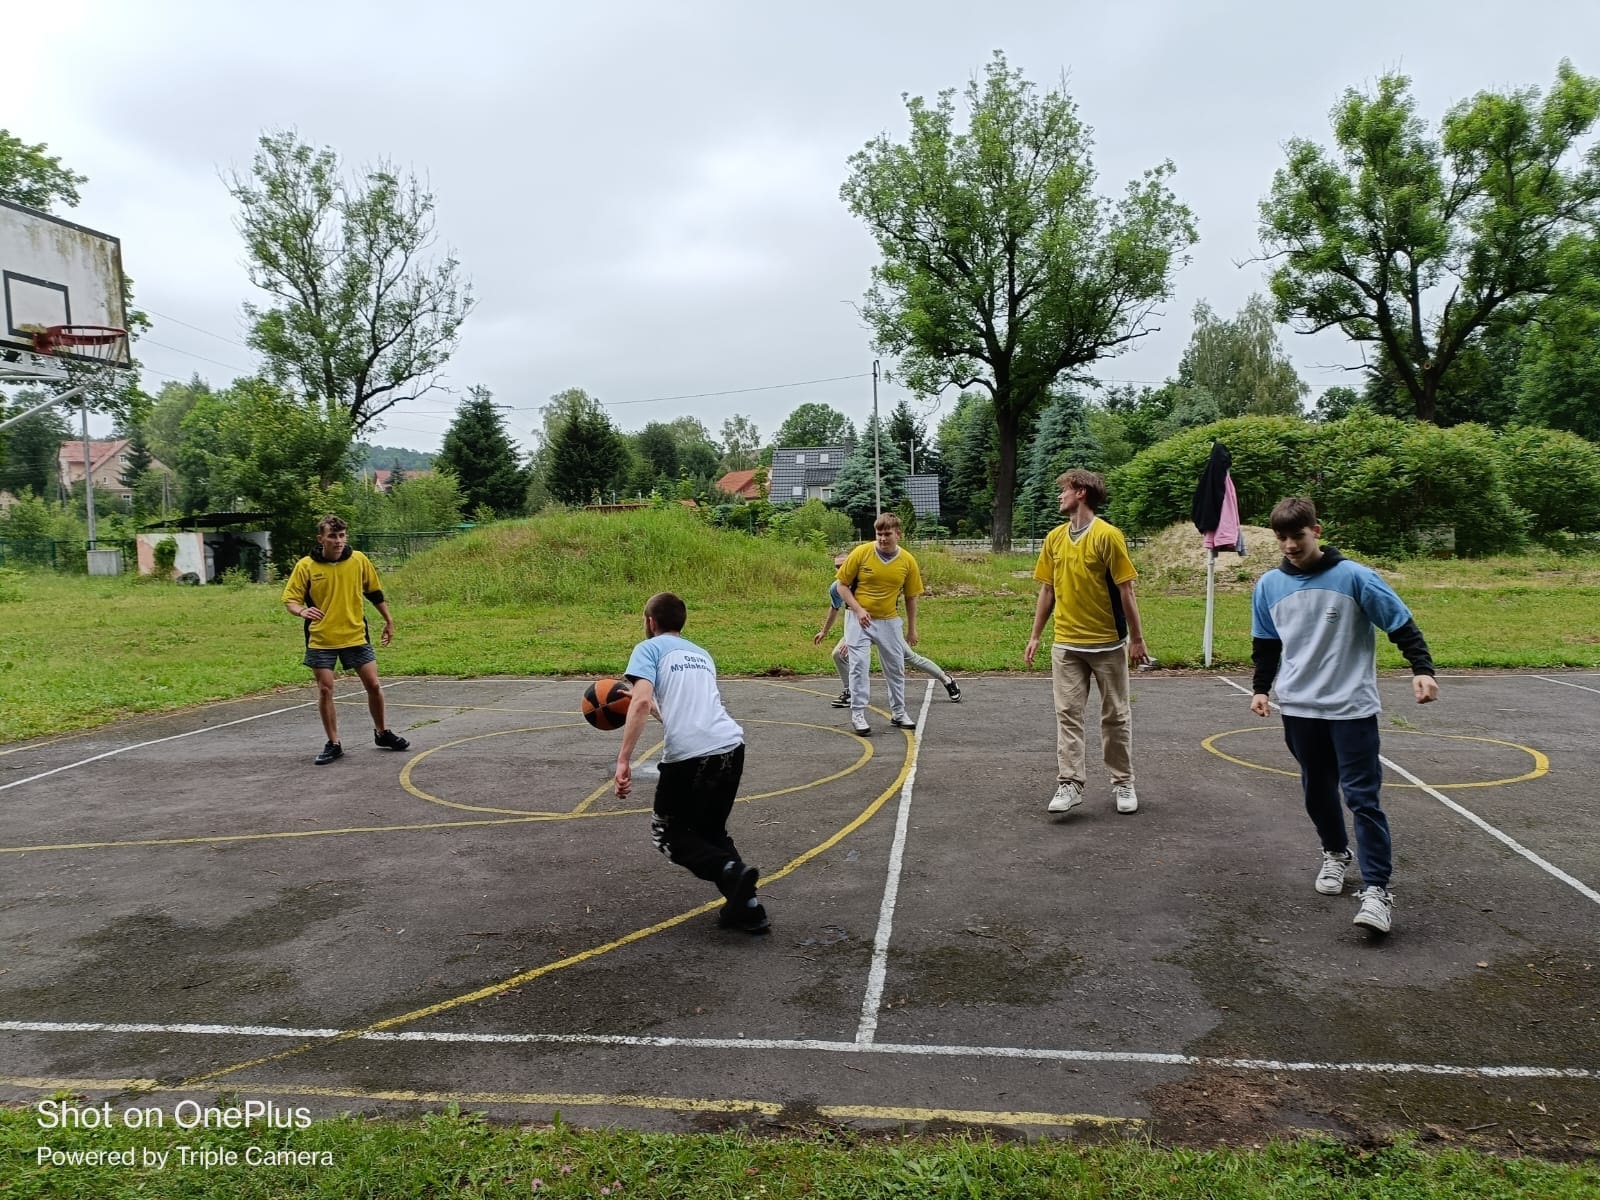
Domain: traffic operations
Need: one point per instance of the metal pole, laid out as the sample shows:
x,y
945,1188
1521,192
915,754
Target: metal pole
x,y
68,395
88,473
1211,599
877,466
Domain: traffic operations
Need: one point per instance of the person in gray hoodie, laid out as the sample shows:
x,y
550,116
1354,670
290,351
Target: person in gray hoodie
x,y
1312,637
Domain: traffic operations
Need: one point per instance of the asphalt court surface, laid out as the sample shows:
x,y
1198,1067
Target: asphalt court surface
x,y
188,906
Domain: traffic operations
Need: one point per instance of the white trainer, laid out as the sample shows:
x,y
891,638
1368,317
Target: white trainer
x,y
1377,910
1127,799
1068,796
1330,879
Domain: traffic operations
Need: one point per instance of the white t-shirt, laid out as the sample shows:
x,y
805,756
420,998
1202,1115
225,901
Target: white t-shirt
x,y
685,681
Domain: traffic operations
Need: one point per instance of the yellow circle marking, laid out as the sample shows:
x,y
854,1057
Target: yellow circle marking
x,y
583,807
1541,764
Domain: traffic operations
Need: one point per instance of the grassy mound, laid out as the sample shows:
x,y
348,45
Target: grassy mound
x,y
1174,561
579,558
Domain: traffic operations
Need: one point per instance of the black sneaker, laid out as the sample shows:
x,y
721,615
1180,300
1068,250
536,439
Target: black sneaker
x,y
902,722
390,740
738,883
842,701
751,918
954,690
330,751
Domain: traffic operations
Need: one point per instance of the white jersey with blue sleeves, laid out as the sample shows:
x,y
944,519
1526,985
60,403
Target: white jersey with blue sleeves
x,y
1326,621
685,682
834,598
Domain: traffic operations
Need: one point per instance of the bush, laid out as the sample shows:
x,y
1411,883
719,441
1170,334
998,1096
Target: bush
x,y
165,553
812,524
1381,485
1553,476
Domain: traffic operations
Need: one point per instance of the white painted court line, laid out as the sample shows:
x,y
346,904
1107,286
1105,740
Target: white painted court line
x,y
891,889
83,762
1543,864
823,1045
1564,683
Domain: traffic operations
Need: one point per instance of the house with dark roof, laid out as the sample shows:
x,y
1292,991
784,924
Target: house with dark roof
x,y
924,493
801,473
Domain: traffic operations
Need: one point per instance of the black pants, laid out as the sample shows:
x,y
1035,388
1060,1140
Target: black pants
x,y
1343,755
693,800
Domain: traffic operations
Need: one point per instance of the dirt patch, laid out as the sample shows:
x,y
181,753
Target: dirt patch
x,y
1174,560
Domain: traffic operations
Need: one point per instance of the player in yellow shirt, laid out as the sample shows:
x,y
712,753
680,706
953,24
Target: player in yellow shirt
x,y
327,589
872,579
1088,583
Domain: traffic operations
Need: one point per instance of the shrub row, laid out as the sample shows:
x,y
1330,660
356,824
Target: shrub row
x,y
1381,485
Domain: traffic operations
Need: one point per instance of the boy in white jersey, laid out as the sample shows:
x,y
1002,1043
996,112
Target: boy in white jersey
x,y
701,763
1313,616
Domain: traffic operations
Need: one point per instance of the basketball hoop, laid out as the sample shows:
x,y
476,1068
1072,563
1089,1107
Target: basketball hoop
x,y
98,343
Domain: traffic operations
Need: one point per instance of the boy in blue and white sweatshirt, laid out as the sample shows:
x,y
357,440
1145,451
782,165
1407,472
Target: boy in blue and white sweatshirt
x,y
1312,622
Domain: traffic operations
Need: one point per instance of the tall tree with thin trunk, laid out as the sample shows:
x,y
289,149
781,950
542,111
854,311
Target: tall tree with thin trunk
x,y
1003,268
360,318
1414,244
479,451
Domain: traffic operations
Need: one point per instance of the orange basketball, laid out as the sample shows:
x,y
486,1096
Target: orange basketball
x,y
605,703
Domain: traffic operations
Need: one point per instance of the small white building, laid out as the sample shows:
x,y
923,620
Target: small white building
x,y
210,544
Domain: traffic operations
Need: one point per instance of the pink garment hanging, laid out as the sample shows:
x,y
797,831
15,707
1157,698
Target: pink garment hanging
x,y
1226,535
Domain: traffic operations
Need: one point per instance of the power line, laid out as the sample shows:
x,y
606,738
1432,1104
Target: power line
x,y
771,387
149,341
197,329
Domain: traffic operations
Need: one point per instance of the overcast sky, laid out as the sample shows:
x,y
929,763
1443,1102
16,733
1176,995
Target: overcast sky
x,y
646,195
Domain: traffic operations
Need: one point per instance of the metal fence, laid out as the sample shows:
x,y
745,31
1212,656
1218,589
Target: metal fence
x,y
68,557
386,549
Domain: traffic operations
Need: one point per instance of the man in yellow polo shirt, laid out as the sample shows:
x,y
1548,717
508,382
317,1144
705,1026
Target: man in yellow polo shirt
x,y
1088,582
327,589
872,579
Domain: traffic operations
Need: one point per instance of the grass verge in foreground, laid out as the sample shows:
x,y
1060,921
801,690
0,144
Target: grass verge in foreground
x,y
452,1154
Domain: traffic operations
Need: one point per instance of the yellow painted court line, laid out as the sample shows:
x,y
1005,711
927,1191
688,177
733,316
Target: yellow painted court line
x,y
970,1116
360,702
517,980
569,1100
1541,764
294,833
405,772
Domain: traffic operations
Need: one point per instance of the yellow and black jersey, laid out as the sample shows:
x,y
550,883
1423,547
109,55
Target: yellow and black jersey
x,y
338,589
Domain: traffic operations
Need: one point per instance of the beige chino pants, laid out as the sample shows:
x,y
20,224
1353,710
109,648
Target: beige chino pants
x,y
1071,672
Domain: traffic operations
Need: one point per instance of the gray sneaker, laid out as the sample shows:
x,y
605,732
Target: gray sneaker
x,y
1330,879
1377,909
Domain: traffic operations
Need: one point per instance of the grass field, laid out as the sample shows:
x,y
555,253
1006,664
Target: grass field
x,y
562,594
459,1155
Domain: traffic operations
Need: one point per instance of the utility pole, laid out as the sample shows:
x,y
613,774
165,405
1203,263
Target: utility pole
x,y
877,465
88,473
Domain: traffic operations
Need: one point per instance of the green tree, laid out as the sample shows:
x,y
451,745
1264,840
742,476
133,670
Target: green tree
x,y
586,454
34,179
1061,440
1414,244
909,433
1002,268
657,450
968,452
138,459
741,443
815,424
479,452
1558,373
163,425
1240,363
1336,403
30,454
425,502
357,318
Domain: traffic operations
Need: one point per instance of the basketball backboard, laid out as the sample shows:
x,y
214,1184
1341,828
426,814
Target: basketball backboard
x,y
53,272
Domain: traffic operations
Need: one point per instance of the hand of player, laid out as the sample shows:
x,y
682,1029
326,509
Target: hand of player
x,y
624,778
311,614
864,619
1260,705
1033,648
1425,688
816,638
911,637
1138,652
387,635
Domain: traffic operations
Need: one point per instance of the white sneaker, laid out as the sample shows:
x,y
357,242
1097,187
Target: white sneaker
x,y
1068,796
1376,911
1330,879
1127,799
